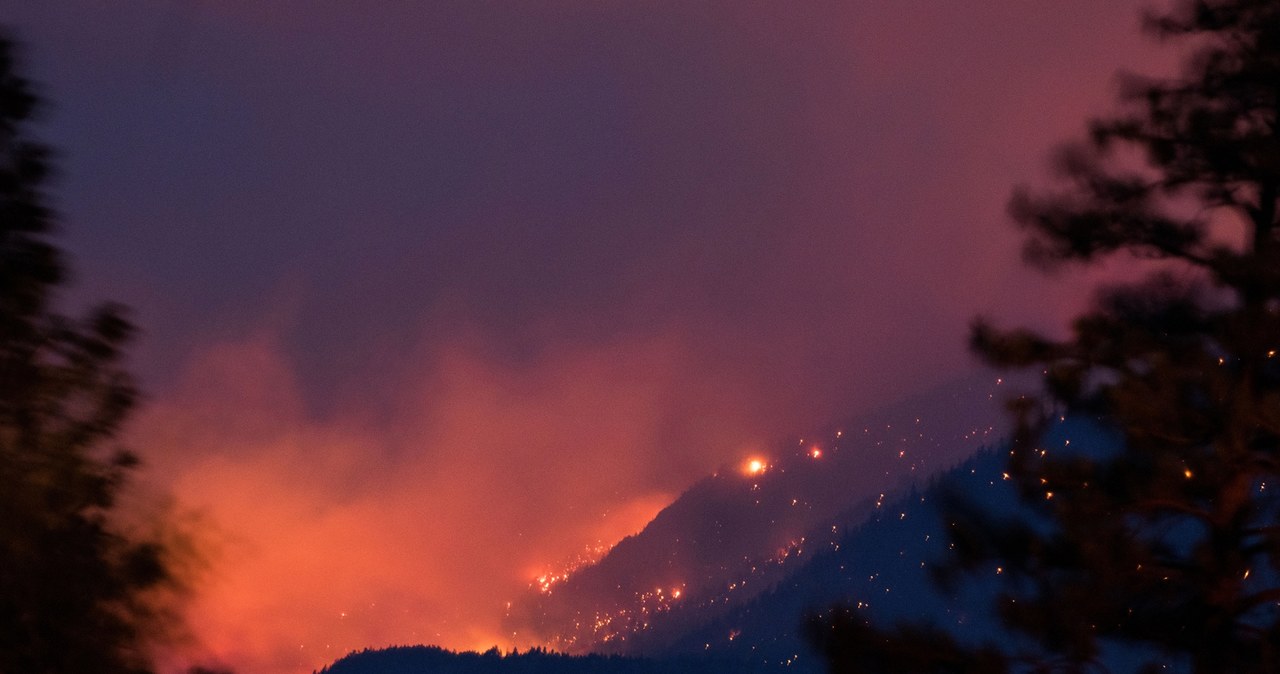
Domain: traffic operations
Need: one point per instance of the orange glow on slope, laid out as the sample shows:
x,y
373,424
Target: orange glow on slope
x,y
343,533
546,580
327,536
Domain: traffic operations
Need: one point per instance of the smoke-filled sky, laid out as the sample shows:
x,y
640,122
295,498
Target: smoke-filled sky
x,y
438,294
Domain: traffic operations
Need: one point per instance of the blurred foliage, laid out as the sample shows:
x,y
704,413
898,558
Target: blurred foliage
x,y
77,594
1162,552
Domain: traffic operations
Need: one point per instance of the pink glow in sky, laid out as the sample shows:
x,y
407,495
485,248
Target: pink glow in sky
x,y
439,294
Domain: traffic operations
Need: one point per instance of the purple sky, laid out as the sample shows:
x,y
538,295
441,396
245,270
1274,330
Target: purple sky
x,y
509,266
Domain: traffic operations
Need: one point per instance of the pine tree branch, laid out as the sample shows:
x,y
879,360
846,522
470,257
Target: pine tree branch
x,y
1268,596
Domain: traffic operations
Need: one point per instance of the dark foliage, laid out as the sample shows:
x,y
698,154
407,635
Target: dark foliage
x,y
1160,552
434,660
76,595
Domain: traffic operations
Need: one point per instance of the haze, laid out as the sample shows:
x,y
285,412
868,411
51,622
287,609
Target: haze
x,y
438,296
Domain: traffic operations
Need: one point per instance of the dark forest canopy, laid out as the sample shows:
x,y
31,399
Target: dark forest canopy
x,y
1162,551
422,659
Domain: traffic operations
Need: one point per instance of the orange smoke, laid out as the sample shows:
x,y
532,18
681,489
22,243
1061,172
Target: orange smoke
x,y
328,535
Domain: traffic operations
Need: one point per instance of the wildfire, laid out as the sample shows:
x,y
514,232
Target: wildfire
x,y
755,467
545,582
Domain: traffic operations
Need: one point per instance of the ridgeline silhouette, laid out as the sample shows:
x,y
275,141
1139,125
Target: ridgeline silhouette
x,y
421,659
1161,551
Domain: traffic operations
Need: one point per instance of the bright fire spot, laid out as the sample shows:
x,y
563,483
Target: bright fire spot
x,y
815,452
755,466
590,554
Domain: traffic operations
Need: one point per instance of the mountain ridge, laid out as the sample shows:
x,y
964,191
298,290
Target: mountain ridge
x,y
727,570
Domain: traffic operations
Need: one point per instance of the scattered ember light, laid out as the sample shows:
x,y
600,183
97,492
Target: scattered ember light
x,y
591,554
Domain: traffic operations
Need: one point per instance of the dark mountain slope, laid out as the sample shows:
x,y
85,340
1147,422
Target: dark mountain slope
x,y
738,532
882,565
720,580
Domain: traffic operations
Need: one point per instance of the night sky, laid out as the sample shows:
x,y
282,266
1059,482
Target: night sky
x,y
435,294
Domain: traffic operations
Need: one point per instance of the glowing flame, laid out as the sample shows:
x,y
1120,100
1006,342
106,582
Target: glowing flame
x,y
815,452
546,581
755,467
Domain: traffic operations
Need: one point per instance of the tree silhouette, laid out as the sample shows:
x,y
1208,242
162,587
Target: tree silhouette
x,y
1159,551
76,594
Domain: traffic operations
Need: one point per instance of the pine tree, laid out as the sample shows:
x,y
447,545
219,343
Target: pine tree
x,y
1164,547
76,594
